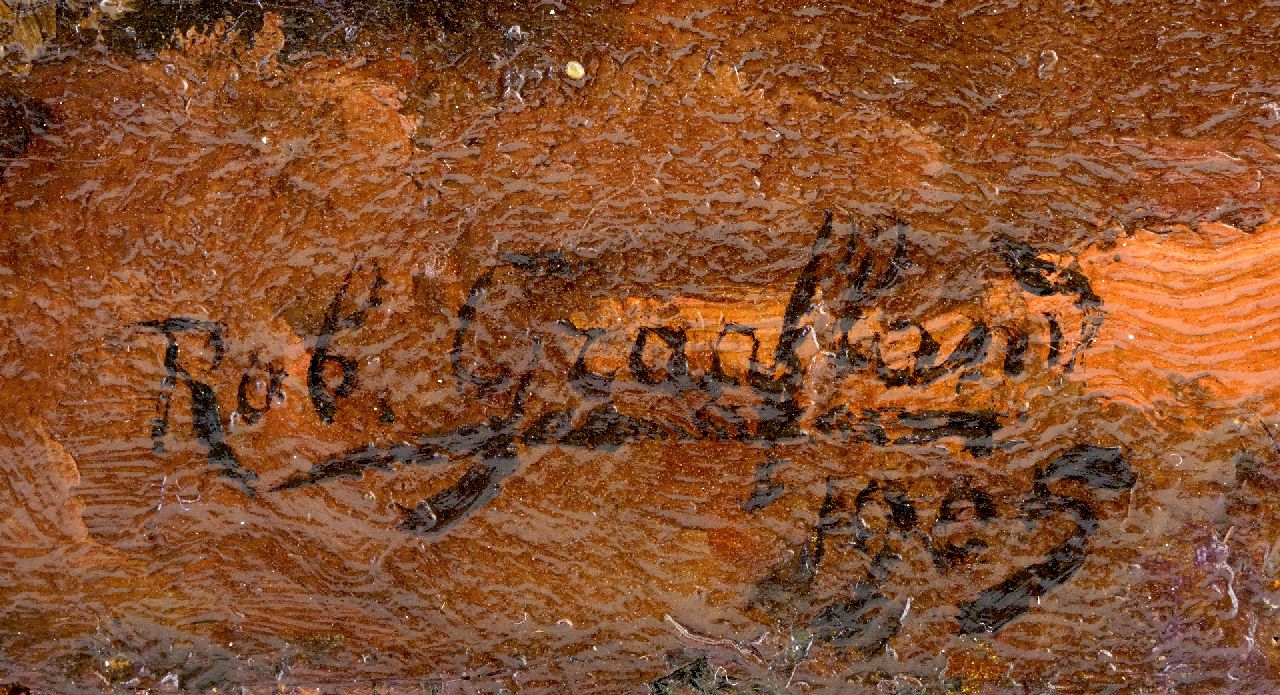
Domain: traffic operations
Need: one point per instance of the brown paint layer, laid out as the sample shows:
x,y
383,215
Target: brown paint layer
x,y
889,348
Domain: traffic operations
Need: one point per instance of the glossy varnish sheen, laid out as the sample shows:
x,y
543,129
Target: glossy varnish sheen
x,y
791,348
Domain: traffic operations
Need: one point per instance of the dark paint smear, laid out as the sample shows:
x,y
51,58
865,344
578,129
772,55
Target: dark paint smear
x,y
21,120
697,677
864,623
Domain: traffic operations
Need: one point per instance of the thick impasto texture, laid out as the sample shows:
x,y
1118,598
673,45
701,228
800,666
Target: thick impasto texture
x,y
640,347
